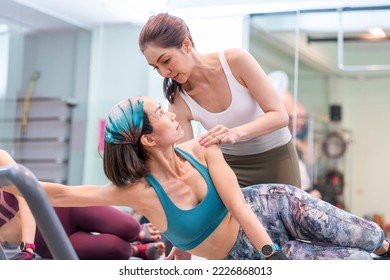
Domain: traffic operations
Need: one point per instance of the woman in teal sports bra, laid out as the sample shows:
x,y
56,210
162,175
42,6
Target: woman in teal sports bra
x,y
192,196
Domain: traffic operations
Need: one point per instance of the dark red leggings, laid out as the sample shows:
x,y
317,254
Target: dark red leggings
x,y
115,231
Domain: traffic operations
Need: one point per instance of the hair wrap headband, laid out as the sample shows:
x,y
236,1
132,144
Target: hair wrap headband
x,y
124,124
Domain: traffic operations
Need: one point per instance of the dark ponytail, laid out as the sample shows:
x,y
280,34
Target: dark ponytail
x,y
170,88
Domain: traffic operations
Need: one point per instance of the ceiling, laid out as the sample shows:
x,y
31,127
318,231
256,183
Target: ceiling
x,y
51,14
41,15
275,20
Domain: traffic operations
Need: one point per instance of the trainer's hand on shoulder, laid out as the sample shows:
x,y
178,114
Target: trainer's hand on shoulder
x,y
218,135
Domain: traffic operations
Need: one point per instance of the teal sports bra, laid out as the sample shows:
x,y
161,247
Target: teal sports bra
x,y
186,229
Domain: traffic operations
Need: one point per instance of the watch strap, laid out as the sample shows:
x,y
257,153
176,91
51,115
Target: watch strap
x,y
23,255
24,245
275,248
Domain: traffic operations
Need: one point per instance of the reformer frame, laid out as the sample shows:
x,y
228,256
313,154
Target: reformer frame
x,y
46,218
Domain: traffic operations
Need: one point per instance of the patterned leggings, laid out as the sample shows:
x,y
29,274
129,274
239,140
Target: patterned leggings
x,y
305,227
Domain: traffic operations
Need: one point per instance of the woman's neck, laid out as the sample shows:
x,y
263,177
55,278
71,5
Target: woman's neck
x,y
165,163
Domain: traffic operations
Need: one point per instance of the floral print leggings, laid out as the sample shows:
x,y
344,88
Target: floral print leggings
x,y
305,227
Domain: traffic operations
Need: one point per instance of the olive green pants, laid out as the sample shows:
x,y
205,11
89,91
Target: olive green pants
x,y
279,165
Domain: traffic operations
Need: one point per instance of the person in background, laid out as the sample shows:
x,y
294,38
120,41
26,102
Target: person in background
x,y
192,196
300,141
300,123
280,81
230,95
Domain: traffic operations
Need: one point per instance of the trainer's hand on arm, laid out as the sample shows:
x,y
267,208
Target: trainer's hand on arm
x,y
249,74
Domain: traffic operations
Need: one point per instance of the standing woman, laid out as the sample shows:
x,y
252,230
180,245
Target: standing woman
x,y
230,95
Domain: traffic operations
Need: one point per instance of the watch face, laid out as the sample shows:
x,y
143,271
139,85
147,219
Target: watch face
x,y
267,250
22,246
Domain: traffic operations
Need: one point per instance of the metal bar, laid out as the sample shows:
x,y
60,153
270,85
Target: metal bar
x,y
311,39
46,218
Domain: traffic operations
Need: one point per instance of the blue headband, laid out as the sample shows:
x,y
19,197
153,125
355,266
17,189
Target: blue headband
x,y
124,124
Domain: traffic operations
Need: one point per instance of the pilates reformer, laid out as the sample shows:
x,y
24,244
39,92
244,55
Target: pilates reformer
x,y
46,218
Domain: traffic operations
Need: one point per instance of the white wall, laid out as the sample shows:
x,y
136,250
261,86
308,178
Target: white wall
x,y
366,111
118,70
4,44
213,34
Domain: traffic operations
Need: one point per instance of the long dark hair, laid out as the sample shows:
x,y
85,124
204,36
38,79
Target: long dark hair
x,y
165,31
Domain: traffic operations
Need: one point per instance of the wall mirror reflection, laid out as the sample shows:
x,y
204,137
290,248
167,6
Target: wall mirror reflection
x,y
44,88
337,61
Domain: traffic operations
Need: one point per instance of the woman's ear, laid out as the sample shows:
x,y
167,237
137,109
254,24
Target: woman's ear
x,y
187,44
147,140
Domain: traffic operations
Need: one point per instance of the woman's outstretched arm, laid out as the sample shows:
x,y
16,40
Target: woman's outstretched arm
x,y
70,196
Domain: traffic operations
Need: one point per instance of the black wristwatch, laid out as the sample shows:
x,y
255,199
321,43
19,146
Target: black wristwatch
x,y
24,245
268,250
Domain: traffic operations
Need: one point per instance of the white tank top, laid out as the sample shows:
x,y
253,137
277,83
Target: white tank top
x,y
243,109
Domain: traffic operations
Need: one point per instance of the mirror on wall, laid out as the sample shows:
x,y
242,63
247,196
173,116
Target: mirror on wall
x,y
337,62
44,86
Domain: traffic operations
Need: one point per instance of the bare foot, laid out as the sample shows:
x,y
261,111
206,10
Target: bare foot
x,y
148,233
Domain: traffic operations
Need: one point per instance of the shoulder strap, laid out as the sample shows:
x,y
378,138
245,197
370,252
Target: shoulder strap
x,y
162,195
224,62
195,163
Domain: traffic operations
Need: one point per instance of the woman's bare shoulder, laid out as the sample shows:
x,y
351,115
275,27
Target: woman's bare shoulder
x,y
236,54
200,152
189,145
193,147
